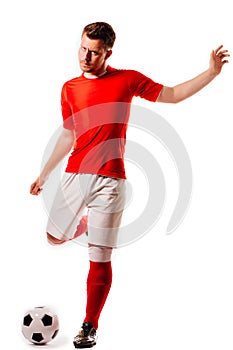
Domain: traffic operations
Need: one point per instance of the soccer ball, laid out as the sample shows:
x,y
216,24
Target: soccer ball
x,y
40,325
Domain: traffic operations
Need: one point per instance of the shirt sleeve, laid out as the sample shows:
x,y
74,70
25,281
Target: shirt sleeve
x,y
66,110
144,87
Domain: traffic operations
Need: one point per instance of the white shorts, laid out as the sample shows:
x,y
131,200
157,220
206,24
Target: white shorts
x,y
102,197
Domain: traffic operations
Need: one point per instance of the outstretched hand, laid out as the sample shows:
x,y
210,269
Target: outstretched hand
x,y
218,59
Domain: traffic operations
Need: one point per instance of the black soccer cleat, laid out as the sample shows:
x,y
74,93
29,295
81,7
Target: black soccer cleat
x,y
86,337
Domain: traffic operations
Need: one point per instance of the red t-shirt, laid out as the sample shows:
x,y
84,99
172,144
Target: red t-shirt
x,y
98,112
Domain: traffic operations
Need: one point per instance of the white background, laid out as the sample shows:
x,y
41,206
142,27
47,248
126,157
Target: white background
x,y
168,291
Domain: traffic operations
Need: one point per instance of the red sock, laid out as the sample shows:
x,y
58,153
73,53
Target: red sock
x,y
98,285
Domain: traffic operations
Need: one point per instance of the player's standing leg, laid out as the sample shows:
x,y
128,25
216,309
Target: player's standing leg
x,y
105,209
98,285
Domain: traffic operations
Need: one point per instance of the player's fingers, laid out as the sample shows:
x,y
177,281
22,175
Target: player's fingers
x,y
217,50
32,187
223,53
35,188
36,192
39,190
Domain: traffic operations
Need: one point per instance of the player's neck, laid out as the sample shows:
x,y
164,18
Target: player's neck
x,y
90,75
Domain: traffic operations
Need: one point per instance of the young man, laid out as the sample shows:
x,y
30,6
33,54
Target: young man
x,y
95,109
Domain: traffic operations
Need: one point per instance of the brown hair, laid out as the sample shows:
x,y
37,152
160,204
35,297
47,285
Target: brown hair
x,y
101,30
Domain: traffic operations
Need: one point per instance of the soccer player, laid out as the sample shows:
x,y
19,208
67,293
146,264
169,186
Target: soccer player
x,y
95,110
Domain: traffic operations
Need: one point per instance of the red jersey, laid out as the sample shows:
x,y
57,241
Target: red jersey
x,y
98,112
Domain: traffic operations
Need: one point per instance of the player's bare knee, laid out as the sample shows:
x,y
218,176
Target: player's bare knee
x,y
53,240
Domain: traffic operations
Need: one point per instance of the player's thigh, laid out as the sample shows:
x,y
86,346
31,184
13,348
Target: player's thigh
x,y
103,228
105,211
67,208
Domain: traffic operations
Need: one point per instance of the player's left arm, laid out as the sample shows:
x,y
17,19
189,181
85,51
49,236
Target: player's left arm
x,y
184,90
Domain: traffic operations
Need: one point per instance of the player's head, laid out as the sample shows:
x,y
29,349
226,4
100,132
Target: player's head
x,y
96,47
102,31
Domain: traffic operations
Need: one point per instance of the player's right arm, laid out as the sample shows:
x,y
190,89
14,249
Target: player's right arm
x,y
62,148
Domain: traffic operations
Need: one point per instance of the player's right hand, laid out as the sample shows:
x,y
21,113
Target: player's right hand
x,y
36,188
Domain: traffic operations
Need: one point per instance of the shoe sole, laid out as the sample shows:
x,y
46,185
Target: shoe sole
x,y
83,346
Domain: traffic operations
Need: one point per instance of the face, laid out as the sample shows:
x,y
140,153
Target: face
x,y
92,56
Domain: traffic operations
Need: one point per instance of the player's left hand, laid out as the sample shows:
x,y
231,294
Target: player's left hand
x,y
218,58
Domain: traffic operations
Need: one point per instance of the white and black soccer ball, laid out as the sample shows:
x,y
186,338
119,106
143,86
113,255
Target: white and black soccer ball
x,y
40,325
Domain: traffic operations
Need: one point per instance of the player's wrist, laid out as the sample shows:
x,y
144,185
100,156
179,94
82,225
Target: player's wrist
x,y
43,178
212,72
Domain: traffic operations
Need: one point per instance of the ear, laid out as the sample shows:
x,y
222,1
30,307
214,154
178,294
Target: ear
x,y
108,54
